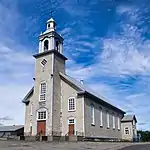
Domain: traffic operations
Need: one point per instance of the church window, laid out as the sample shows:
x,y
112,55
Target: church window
x,y
101,117
48,25
92,114
41,115
43,92
31,110
118,122
30,130
71,121
46,45
57,45
126,130
43,62
113,121
71,104
108,123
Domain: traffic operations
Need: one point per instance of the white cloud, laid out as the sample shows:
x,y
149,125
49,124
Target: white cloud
x,y
125,55
134,96
11,103
16,65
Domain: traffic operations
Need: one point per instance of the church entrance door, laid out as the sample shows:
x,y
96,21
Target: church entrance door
x,y
41,127
71,127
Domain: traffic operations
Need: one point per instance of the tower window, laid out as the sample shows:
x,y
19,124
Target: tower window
x,y
71,104
42,115
48,25
43,62
46,45
57,45
43,92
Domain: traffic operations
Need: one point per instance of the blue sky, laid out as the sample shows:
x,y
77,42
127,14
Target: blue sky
x,y
107,43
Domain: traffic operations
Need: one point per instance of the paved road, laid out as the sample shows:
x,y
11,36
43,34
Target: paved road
x,y
137,147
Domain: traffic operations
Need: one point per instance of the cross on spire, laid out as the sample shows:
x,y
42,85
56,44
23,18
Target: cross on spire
x,y
51,12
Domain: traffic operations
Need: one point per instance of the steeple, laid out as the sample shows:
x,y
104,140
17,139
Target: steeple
x,y
51,25
50,39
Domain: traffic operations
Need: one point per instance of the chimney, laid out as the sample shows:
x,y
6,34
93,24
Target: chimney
x,y
81,81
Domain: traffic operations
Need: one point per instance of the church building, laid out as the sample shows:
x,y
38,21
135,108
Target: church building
x,y
59,105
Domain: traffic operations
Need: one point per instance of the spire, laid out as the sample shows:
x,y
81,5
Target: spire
x,y
51,25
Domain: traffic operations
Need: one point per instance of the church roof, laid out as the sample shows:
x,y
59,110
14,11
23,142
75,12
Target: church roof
x,y
82,89
127,118
51,20
25,100
85,90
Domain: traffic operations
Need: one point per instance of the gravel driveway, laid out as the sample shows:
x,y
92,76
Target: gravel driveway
x,y
18,145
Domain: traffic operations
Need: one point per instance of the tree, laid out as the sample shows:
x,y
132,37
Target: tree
x,y
145,135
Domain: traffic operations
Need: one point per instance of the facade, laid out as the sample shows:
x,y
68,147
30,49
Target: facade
x,y
58,105
128,127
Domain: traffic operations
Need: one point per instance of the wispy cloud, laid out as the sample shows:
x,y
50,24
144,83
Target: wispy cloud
x,y
115,63
5,118
123,62
15,64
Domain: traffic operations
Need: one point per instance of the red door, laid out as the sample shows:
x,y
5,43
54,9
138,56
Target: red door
x,y
71,129
41,127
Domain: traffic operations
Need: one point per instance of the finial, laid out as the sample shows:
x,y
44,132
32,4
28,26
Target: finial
x,y
51,12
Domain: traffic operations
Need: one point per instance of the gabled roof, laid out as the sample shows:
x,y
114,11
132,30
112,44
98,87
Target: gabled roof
x,y
51,20
85,90
82,89
128,118
26,100
10,128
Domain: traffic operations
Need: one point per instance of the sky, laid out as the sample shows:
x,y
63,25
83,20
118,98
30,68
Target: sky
x,y
107,43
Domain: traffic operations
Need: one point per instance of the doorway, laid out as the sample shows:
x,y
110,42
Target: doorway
x,y
71,127
41,127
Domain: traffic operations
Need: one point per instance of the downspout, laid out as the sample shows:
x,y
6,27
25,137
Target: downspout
x,y
52,91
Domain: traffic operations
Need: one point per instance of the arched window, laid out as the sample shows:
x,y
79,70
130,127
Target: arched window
x,y
93,114
46,45
57,45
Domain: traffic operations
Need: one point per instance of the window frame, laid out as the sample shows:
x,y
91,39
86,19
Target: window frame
x,y
41,111
40,91
108,119
114,122
72,118
31,109
43,60
71,122
92,114
44,49
70,110
126,129
118,122
101,116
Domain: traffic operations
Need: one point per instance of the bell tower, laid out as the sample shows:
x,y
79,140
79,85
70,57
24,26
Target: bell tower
x,y
49,62
50,39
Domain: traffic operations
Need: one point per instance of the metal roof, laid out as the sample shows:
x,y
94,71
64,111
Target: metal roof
x,y
25,100
10,128
51,20
84,89
128,118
